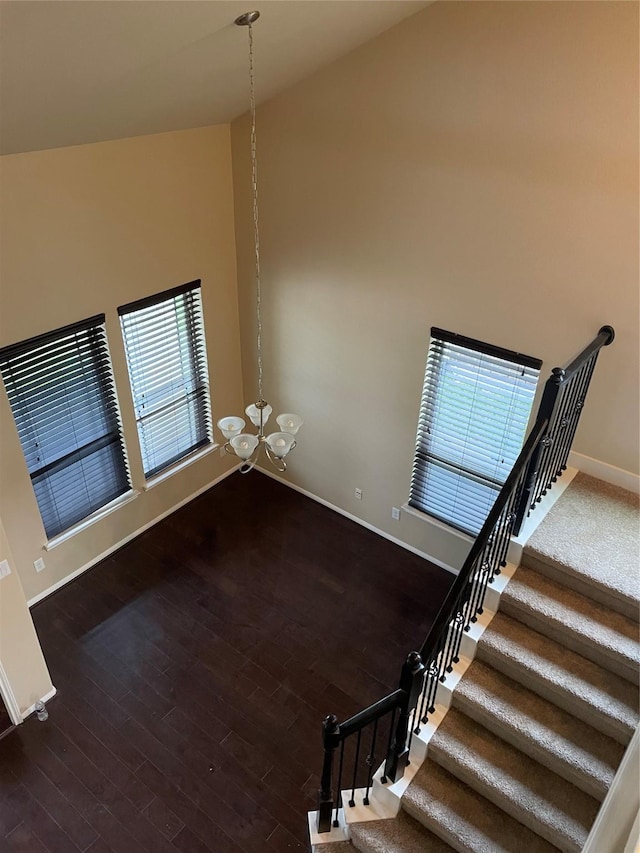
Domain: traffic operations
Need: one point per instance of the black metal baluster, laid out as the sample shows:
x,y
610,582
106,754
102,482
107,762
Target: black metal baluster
x,y
371,761
479,578
429,692
447,653
426,686
505,532
465,603
493,547
336,822
411,731
383,778
582,386
509,518
562,423
459,619
352,801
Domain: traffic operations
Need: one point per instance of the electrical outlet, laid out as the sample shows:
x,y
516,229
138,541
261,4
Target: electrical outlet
x,y
395,513
5,569
359,494
38,564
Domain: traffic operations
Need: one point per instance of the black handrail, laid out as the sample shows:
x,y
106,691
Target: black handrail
x,y
459,588
540,462
401,703
561,405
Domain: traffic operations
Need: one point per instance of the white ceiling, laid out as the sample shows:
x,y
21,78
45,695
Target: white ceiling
x,y
78,71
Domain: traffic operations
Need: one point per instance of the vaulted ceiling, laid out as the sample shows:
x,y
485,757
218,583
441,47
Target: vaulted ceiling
x,y
79,71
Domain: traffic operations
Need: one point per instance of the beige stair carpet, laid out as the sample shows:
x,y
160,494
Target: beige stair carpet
x,y
539,723
575,621
402,835
593,532
579,753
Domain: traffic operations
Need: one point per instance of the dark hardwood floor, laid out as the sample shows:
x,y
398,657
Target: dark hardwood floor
x,y
194,668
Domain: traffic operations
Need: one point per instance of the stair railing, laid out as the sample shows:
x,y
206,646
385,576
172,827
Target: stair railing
x,y
561,405
540,462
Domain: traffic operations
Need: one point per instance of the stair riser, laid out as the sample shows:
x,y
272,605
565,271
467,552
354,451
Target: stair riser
x,y
363,847
569,702
594,788
400,835
585,587
495,796
436,828
605,658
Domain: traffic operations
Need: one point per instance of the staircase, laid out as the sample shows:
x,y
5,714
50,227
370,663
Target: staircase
x,y
539,722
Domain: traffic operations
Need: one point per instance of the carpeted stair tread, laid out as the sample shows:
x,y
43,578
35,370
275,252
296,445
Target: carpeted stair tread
x,y
401,834
598,697
528,792
544,732
590,540
583,625
463,818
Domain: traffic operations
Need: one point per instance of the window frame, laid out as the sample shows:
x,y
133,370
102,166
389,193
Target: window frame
x,y
63,398
142,325
460,495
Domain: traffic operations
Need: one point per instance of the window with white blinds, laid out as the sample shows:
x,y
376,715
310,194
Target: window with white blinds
x,y
475,407
166,355
60,387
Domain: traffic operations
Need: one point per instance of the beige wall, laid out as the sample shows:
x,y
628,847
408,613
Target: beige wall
x,y
88,228
475,168
20,654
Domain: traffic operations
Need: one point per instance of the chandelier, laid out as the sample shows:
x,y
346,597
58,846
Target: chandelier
x,y
247,445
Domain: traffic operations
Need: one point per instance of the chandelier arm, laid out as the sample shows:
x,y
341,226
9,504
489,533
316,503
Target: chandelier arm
x,y
278,463
247,466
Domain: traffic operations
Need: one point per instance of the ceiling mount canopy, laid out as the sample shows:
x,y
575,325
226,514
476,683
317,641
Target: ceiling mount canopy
x,y
247,19
246,446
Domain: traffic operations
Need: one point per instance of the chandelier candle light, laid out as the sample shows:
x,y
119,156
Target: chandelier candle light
x,y
243,444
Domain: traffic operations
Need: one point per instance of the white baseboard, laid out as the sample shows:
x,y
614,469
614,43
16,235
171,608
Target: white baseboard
x,y
359,521
604,471
95,560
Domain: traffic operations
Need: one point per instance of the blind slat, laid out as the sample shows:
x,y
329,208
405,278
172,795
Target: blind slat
x,y
474,411
166,357
62,396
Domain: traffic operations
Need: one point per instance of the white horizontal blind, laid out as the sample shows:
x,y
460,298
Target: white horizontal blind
x,y
60,387
475,407
166,356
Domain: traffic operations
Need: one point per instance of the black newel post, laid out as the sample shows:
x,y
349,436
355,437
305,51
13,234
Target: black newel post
x,y
330,739
411,684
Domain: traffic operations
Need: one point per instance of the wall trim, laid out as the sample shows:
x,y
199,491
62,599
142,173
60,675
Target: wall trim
x,y
360,521
604,471
9,697
95,560
615,822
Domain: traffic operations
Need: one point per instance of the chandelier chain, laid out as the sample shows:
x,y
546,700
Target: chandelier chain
x,y
256,232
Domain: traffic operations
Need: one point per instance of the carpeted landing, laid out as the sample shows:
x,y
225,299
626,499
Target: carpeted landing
x,y
591,538
541,719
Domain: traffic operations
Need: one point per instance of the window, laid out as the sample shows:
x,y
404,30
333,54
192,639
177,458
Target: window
x,y
166,356
475,407
60,387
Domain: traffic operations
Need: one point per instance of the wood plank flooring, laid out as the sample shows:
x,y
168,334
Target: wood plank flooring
x,y
194,668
